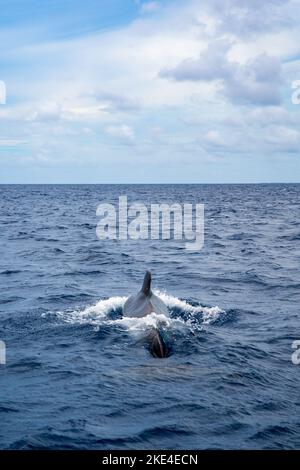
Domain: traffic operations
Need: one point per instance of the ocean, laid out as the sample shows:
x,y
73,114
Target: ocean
x,y
79,376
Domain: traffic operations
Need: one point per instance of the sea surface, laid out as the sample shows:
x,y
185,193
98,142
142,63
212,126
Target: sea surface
x,y
79,376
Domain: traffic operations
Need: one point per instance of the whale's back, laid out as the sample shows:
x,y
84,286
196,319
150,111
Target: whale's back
x,y
137,306
141,305
144,302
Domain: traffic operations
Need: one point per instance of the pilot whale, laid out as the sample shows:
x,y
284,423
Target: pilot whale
x,y
143,303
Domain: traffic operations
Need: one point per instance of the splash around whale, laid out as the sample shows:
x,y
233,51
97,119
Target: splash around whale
x,y
177,318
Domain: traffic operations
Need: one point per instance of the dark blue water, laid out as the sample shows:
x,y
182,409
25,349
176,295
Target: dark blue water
x,y
79,376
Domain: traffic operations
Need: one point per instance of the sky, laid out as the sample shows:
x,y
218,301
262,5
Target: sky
x,y
132,91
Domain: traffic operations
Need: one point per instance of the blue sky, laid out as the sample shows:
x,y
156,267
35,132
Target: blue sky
x,y
128,91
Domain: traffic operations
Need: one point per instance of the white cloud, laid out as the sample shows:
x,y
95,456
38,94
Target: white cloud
x,y
272,115
256,82
211,65
50,111
11,142
245,18
149,7
283,139
214,137
122,132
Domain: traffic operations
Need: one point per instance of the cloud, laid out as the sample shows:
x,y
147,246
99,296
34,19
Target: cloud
x,y
50,111
244,18
116,102
272,115
211,65
123,133
283,139
11,142
214,138
256,82
149,7
184,81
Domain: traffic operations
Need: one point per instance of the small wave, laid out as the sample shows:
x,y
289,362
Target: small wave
x,y
8,409
271,431
25,365
86,225
10,271
13,298
291,237
58,250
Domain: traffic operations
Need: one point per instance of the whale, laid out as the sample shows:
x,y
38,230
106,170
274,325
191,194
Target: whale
x,y
143,303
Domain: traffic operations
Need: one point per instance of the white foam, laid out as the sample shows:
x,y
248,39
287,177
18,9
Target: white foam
x,y
103,307
98,315
94,314
135,324
209,314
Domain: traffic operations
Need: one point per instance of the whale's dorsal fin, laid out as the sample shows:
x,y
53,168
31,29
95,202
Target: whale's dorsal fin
x,y
146,289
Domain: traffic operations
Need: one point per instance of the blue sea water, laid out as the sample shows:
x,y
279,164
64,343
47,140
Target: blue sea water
x,y
78,375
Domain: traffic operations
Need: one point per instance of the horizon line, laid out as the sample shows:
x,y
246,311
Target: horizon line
x,y
143,183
